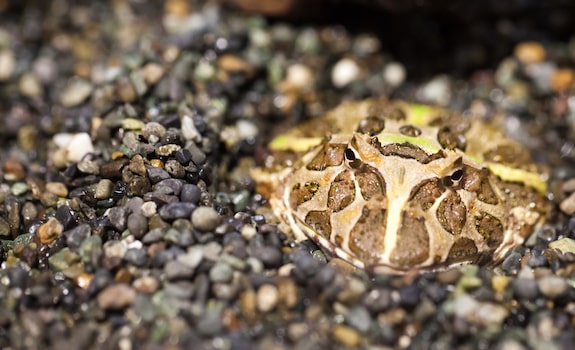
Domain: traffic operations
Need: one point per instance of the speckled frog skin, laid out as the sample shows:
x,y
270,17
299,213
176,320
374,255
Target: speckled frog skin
x,y
394,187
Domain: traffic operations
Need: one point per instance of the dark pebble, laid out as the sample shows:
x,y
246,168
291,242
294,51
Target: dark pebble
x,y
269,256
409,296
176,210
137,257
184,156
18,277
182,290
102,278
210,323
153,236
77,235
305,264
190,193
198,157
377,300
65,217
118,218
173,186
156,174
135,205
113,169
137,224
160,198
325,275
512,263
525,288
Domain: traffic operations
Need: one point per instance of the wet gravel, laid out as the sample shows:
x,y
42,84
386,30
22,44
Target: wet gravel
x,y
128,218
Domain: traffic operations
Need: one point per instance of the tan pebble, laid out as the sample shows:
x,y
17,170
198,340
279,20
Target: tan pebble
x,y
267,297
57,188
167,150
104,189
50,230
499,283
298,77
562,79
157,163
149,209
346,335
84,279
146,284
568,205
176,8
152,73
564,245
233,63
29,85
117,155
288,292
125,90
568,186
14,171
530,52
137,165
7,64
123,276
248,301
116,297
75,92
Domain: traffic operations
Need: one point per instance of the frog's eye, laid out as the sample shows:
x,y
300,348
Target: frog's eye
x,y
453,178
349,154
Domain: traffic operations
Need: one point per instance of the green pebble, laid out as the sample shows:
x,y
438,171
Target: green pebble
x,y
19,188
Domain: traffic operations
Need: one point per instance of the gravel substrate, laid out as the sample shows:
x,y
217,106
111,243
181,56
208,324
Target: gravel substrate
x,y
128,219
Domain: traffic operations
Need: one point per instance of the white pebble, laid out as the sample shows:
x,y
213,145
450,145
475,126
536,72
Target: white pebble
x,y
189,130
299,76
149,209
75,146
246,129
79,146
437,90
394,74
344,72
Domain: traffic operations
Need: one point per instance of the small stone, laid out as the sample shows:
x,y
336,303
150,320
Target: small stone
x,y
148,209
174,168
137,225
168,150
115,249
358,317
76,236
132,124
29,85
176,270
564,245
183,156
298,77
190,193
19,188
63,259
568,204
152,73
189,130
75,92
7,64
394,74
346,335
146,284
57,188
118,218
530,52
75,146
156,174
221,273
552,286
176,210
267,297
562,79
65,217
136,257
205,219
116,297
50,230
270,256
104,189
344,72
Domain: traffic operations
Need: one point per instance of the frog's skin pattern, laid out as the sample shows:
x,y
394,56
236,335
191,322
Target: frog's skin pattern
x,y
394,187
